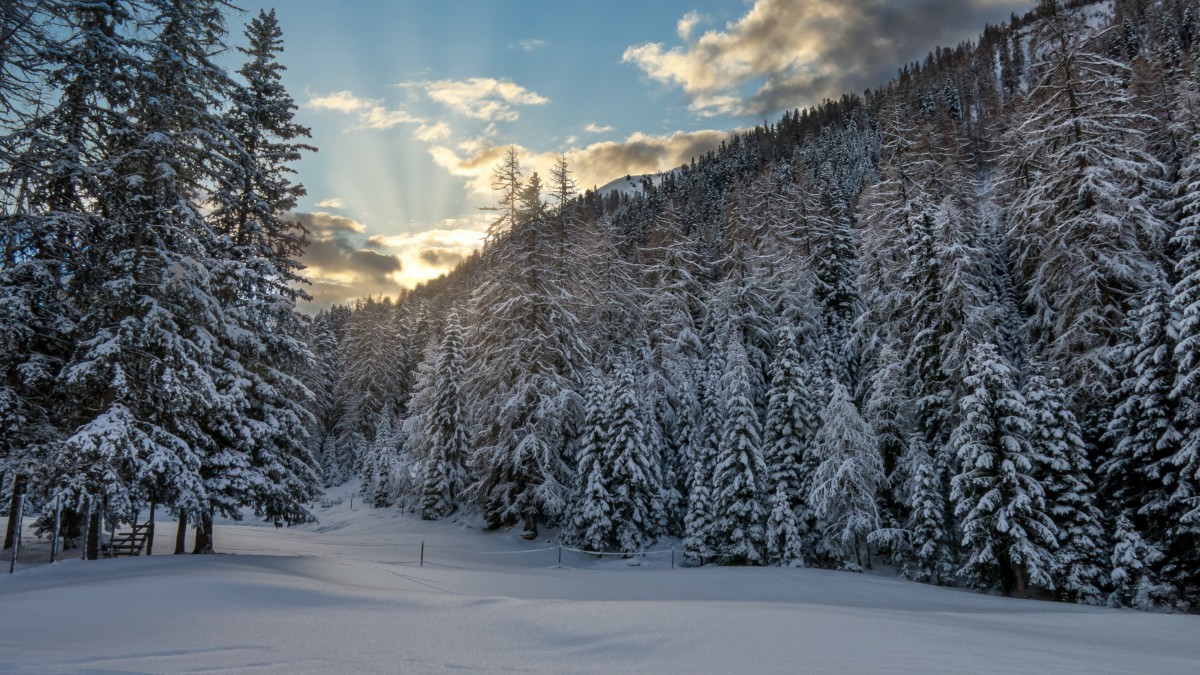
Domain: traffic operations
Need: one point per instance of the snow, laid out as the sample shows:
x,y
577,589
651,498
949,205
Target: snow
x,y
347,595
632,184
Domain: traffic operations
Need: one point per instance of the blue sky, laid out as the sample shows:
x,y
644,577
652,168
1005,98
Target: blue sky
x,y
411,102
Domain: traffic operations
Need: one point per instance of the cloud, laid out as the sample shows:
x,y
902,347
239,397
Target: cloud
x,y
432,132
529,45
441,257
433,252
593,165
594,128
482,98
372,113
331,203
324,225
338,269
688,23
792,53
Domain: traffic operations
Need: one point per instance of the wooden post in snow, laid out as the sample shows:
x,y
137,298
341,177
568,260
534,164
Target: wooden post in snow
x,y
57,528
12,566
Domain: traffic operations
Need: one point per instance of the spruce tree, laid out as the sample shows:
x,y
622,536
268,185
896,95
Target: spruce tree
x,y
591,521
1184,495
1142,470
1070,494
632,468
740,471
699,534
848,477
789,430
445,465
1009,536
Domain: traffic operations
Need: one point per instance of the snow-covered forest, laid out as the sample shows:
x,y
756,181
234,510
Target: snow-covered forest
x,y
951,325
149,345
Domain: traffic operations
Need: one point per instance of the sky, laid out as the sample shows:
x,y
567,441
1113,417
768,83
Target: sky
x,y
412,102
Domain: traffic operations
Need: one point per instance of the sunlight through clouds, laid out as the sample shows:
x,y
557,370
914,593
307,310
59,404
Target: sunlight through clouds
x,y
592,165
433,252
338,268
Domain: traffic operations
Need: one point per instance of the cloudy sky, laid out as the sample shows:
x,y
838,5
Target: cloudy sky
x,y
412,102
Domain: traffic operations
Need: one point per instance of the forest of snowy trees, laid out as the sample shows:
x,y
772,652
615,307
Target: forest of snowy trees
x,y
951,325
149,345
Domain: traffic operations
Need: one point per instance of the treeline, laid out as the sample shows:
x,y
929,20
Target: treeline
x,y
952,325
148,278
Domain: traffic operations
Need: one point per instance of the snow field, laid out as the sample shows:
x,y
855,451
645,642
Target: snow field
x,y
347,595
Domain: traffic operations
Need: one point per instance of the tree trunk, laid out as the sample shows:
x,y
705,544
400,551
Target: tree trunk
x,y
93,538
204,543
181,533
11,532
150,530
531,529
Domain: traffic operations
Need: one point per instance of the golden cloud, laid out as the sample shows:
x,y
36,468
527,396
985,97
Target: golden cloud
x,y
431,253
339,270
592,165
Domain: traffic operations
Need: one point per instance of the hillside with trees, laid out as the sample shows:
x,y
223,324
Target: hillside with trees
x,y
949,325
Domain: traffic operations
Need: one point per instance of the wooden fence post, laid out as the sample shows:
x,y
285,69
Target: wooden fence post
x,y
12,566
57,528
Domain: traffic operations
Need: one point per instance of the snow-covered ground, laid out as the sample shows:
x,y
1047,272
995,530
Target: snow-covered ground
x,y
347,595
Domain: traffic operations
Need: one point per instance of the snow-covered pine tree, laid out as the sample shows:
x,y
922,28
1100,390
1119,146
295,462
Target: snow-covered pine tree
x,y
848,477
792,416
739,471
1009,536
1139,472
888,411
332,469
699,535
323,379
928,532
1070,495
147,367
675,300
52,149
591,522
1185,304
372,366
258,281
1134,583
380,461
416,447
445,472
632,472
